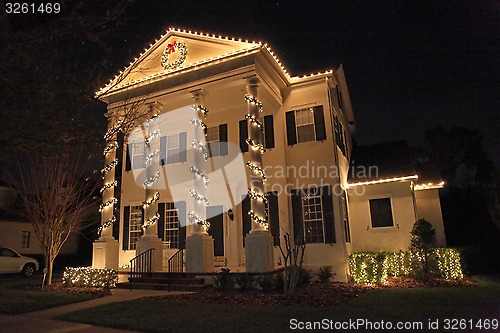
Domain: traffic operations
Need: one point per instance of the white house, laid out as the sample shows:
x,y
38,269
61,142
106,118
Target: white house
x,y
294,135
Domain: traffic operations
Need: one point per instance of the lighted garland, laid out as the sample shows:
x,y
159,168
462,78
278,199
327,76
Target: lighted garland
x,y
171,48
112,146
257,219
155,197
106,224
251,99
151,221
201,108
113,130
150,157
199,197
256,145
151,179
255,121
148,122
110,166
201,174
151,136
252,166
202,147
107,204
256,195
193,218
198,122
108,185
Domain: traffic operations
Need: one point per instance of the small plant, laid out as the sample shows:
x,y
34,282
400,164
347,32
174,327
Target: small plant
x,y
325,273
423,238
222,279
265,283
243,280
90,277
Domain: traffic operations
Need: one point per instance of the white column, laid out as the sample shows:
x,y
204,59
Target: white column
x,y
150,239
106,248
258,243
199,245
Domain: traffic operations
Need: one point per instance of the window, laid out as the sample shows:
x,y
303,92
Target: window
x,y
7,253
137,155
216,138
345,214
381,212
135,226
25,239
172,149
313,219
171,225
305,125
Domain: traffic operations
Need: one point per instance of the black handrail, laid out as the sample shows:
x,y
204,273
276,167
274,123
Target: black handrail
x,y
176,262
140,265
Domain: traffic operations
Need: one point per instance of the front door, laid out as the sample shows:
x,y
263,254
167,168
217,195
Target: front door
x,y
216,229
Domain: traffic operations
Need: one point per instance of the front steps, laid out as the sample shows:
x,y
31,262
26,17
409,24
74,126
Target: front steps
x,y
166,281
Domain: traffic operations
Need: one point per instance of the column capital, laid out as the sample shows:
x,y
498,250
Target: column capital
x,y
199,93
252,80
154,106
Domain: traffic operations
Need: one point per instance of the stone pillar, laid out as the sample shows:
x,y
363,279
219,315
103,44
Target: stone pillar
x,y
150,239
106,248
199,245
258,243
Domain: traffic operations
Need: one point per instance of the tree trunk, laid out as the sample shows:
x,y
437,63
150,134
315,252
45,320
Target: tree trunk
x,y
49,273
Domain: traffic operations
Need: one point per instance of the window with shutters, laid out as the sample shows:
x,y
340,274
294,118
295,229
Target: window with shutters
x,y
381,212
304,120
312,209
171,234
137,155
173,149
25,239
212,138
135,226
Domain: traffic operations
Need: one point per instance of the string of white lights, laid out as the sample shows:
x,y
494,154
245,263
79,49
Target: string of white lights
x,y
252,166
201,174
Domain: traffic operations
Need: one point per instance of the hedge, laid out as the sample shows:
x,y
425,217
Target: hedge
x,y
90,277
375,267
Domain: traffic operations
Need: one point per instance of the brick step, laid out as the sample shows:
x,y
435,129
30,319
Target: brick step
x,y
163,286
166,280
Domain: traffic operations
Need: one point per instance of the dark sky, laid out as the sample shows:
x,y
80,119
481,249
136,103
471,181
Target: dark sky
x,y
409,65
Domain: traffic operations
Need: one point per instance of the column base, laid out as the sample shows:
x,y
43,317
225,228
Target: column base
x,y
152,242
199,254
105,253
259,252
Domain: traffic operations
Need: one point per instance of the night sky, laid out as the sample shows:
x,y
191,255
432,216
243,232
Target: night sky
x,y
409,65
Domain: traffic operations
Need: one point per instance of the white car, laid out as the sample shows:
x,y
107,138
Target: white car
x,y
13,262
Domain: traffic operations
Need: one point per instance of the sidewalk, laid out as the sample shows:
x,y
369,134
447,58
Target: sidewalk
x,y
41,321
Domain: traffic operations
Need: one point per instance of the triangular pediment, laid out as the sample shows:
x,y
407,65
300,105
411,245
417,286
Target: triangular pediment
x,y
174,52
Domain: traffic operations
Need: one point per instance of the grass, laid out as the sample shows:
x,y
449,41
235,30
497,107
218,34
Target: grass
x,y
15,300
417,304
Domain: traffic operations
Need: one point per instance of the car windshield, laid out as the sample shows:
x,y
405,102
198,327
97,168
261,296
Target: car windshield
x,y
7,253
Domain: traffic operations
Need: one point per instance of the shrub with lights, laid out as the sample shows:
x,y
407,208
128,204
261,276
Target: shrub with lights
x,y
376,267
90,277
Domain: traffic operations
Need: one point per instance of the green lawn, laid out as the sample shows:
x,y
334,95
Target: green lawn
x,y
153,315
15,300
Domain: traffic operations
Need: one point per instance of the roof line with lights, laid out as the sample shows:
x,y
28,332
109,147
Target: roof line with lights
x,y
380,181
114,84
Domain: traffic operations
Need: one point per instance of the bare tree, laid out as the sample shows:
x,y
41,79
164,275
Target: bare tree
x,y
56,200
293,257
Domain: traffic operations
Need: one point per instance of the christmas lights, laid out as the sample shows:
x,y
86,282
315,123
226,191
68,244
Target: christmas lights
x,y
198,122
201,174
155,197
258,219
151,221
201,108
256,145
110,166
154,117
151,180
251,99
195,219
150,157
199,197
258,196
106,224
113,130
112,146
171,48
151,136
202,147
252,166
108,185
90,277
255,121
107,204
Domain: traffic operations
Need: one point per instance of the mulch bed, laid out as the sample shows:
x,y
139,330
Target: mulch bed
x,y
408,282
313,294
61,288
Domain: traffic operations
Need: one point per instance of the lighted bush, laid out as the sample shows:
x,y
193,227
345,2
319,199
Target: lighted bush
x,y
375,267
90,277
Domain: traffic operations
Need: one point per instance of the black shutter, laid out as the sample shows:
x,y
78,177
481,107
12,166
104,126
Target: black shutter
x,y
128,162
269,131
181,206
161,221
298,217
125,231
328,218
183,147
273,218
319,123
291,133
116,230
163,150
223,139
243,135
247,224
